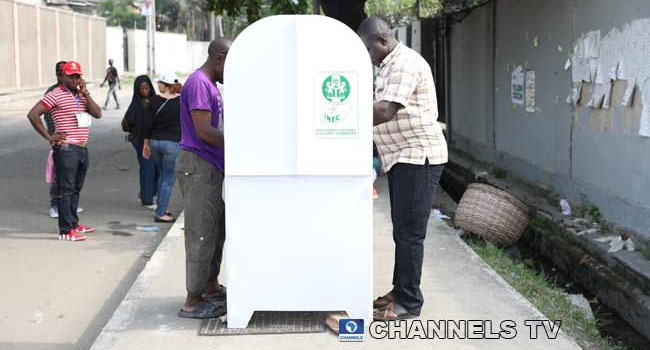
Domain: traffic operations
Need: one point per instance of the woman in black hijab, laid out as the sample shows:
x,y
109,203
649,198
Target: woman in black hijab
x,y
143,91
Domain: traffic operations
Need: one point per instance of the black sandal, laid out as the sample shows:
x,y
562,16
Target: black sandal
x,y
204,309
157,219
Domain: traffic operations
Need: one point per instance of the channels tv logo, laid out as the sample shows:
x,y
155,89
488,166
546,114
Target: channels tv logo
x,y
350,329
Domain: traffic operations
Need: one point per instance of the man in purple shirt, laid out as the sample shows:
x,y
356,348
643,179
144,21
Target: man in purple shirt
x,y
200,173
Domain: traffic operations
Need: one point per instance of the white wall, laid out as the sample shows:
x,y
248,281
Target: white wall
x,y
174,53
115,47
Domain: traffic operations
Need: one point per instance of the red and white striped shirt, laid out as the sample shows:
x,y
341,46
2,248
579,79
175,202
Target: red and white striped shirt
x,y
64,106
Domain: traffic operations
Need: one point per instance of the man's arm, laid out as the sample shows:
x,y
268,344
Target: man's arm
x,y
105,79
91,105
204,129
34,117
384,111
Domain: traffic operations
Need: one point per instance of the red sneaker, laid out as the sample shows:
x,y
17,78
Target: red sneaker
x,y
72,236
84,229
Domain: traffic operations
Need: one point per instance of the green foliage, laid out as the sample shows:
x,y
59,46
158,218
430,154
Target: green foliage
x,y
256,9
551,301
399,13
121,13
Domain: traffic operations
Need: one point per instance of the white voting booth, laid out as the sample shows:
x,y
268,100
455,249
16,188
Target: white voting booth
x,y
298,181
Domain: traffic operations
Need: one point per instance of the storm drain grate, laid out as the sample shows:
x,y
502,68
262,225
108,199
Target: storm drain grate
x,y
269,322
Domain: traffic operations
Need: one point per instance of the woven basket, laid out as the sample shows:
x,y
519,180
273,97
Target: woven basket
x,y
491,213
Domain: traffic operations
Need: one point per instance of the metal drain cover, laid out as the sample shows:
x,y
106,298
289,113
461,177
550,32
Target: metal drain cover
x,y
269,322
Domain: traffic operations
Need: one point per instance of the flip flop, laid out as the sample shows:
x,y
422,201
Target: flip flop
x,y
383,301
157,219
393,311
218,296
204,309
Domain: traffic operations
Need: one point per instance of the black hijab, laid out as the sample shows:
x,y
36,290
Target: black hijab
x,y
137,108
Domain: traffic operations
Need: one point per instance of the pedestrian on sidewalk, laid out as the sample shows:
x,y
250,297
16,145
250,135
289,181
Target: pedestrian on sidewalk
x,y
413,152
50,172
132,123
200,172
71,107
162,133
113,79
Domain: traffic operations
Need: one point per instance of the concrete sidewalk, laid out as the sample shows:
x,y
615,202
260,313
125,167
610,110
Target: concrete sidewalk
x,y
456,283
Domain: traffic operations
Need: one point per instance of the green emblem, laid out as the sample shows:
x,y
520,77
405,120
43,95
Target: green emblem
x,y
336,88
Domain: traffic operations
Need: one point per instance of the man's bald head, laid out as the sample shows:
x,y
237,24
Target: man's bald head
x,y
217,51
378,38
373,26
219,46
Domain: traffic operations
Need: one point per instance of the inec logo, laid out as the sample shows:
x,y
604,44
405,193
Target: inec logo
x,y
336,88
350,329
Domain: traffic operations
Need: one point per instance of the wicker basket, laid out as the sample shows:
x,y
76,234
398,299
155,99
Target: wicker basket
x,y
491,213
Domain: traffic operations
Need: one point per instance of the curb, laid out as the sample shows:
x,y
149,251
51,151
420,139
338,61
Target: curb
x,y
124,314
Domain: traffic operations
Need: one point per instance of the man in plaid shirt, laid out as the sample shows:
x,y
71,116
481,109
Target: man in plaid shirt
x,y
413,152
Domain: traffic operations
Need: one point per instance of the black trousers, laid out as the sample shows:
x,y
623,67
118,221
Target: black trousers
x,y
71,164
412,190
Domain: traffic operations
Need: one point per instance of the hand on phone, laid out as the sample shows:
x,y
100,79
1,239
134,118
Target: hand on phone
x,y
82,87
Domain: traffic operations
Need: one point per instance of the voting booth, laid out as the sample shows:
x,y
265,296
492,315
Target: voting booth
x,y
298,180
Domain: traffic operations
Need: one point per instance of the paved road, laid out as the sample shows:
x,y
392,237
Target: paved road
x,y
58,295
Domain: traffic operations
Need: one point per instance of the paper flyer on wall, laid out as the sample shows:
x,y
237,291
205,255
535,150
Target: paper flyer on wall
x,y
530,91
518,86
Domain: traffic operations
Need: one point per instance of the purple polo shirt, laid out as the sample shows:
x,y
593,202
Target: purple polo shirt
x,y
199,93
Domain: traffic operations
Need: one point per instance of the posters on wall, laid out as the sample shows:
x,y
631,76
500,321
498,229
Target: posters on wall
x,y
530,91
518,86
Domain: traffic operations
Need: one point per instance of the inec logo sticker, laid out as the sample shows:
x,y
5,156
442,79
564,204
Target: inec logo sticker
x,y
336,105
336,88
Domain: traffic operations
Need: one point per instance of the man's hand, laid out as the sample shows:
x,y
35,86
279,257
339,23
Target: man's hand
x,y
101,85
146,150
57,138
83,89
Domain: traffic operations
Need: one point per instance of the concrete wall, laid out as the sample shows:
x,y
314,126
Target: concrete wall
x,y
33,38
115,47
174,53
578,150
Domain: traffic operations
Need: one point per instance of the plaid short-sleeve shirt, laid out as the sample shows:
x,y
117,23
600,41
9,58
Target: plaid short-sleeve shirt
x,y
413,135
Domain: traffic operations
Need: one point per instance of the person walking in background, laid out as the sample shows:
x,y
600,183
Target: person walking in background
x,y
200,168
132,123
413,152
113,79
162,133
72,107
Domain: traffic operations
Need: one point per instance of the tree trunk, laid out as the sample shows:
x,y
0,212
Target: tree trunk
x,y
349,12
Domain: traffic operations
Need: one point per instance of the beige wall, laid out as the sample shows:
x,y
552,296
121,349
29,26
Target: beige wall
x,y
48,44
33,38
7,58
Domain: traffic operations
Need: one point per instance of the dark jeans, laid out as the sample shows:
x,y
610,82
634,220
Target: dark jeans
x,y
412,189
205,220
164,154
71,164
148,174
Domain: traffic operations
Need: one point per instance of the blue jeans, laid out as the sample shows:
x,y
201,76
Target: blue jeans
x,y
164,155
148,174
71,164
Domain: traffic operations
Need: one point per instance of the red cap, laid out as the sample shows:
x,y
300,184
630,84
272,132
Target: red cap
x,y
72,67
